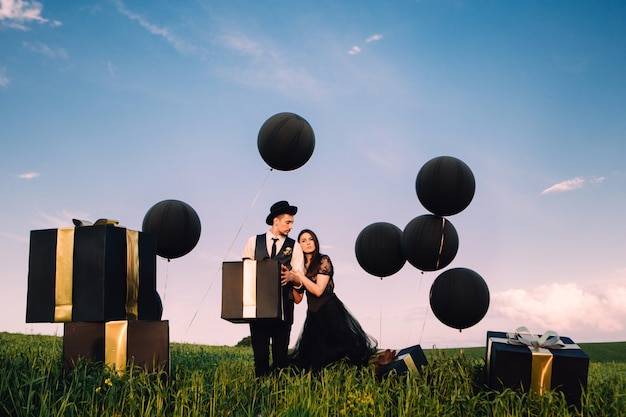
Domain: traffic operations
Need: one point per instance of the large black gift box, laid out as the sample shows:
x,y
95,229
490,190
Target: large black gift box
x,y
251,291
137,343
510,365
90,273
410,360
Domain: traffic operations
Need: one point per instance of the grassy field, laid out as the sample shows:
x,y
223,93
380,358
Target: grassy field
x,y
597,352
219,381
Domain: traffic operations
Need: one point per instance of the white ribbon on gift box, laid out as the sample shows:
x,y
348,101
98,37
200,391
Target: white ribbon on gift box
x,y
522,336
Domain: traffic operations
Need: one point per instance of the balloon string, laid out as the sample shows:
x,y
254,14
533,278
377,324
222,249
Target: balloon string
x,y
229,249
419,291
380,321
419,342
167,273
443,225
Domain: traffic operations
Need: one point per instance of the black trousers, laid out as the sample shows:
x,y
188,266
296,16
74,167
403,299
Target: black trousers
x,y
262,333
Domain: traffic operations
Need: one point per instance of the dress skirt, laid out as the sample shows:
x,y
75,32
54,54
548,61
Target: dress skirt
x,y
329,335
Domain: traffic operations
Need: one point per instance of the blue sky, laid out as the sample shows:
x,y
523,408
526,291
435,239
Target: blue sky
x,y
109,107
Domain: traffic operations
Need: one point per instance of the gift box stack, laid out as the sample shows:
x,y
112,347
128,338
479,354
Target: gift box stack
x,y
524,361
100,281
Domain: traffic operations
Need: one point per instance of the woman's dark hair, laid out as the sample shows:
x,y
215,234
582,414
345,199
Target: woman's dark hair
x,y
311,271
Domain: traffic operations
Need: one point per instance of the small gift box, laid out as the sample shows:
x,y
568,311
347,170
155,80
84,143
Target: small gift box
x,y
525,361
118,344
251,291
410,360
90,273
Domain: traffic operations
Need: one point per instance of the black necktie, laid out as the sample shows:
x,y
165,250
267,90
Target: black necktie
x,y
273,247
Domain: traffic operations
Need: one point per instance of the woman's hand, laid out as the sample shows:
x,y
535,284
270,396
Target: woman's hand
x,y
287,276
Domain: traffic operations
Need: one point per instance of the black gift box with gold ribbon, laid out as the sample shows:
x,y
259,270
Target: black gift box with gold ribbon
x,y
251,291
512,365
90,273
409,360
118,344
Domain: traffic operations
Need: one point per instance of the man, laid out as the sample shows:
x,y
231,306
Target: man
x,y
275,244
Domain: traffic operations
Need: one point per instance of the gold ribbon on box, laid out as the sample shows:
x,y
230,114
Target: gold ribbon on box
x,y
540,348
132,274
65,267
64,275
384,357
409,362
115,344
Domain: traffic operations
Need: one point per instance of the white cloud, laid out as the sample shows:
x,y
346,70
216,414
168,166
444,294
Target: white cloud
x,y
17,238
354,50
357,49
29,175
43,49
565,308
563,186
572,184
17,13
4,80
265,66
178,43
59,219
242,44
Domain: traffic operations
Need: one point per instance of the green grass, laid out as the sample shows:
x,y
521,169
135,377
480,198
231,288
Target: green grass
x,y
219,381
597,352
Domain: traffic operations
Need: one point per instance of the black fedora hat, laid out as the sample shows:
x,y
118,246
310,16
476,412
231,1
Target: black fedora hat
x,y
281,207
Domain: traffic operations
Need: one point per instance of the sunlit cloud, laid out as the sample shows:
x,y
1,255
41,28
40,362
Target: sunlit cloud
x,y
354,50
43,49
17,14
565,307
177,42
4,80
373,38
572,184
28,175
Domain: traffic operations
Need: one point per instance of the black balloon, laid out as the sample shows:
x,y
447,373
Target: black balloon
x,y
429,242
445,185
176,226
150,307
286,141
459,298
378,249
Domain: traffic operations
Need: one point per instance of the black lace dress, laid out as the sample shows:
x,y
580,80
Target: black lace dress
x,y
330,333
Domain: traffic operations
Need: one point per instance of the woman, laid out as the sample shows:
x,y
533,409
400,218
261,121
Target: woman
x,y
330,333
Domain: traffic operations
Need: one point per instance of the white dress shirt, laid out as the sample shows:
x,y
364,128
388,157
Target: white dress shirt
x,y
297,257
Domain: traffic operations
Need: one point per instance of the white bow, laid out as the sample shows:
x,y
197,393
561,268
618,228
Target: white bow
x,y
522,336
